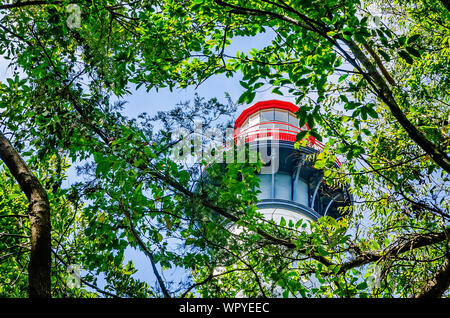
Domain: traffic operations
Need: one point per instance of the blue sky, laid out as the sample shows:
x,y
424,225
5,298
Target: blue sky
x,y
216,86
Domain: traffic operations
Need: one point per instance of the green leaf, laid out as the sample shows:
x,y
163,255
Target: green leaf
x,y
386,56
413,51
190,241
257,85
413,38
315,135
351,105
343,98
342,77
244,84
310,121
361,286
251,97
404,55
243,98
322,251
372,113
277,91
301,135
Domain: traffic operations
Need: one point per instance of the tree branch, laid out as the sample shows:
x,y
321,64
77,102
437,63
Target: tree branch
x,y
415,241
20,4
380,64
146,251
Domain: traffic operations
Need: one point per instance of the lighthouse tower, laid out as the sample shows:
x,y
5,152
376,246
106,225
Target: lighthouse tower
x,y
293,188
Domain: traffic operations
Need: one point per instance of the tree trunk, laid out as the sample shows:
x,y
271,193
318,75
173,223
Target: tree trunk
x,y
439,283
39,215
446,4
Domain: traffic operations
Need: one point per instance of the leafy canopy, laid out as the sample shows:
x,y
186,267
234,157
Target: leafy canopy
x,y
373,85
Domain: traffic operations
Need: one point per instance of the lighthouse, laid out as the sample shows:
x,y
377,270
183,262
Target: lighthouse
x,y
291,187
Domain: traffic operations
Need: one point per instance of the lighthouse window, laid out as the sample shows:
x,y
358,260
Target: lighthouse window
x,y
265,186
267,115
283,186
293,120
301,192
267,118
253,120
244,126
281,116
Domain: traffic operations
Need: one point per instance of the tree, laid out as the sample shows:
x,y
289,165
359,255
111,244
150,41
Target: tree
x,y
376,88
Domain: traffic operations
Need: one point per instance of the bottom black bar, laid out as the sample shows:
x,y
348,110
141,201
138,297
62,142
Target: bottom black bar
x,y
229,307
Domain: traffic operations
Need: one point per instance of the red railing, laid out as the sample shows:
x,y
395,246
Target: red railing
x,y
277,134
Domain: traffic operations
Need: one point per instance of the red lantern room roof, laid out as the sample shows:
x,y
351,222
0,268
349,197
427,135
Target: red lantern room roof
x,y
282,128
264,105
